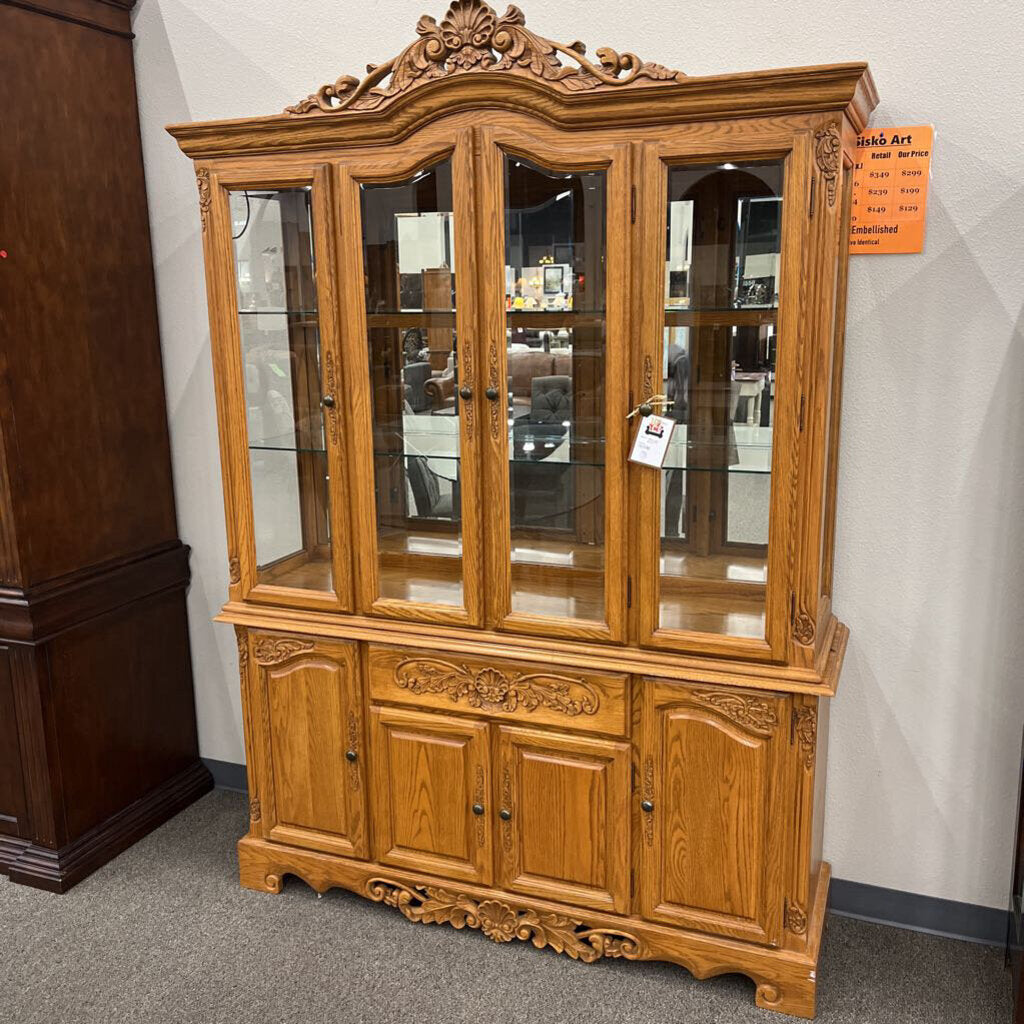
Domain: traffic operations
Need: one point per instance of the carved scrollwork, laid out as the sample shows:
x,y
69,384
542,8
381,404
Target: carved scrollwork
x,y
751,712
796,919
472,38
331,411
491,689
269,650
353,744
828,149
506,801
243,651
492,382
254,809
234,571
205,197
502,922
803,629
648,388
806,729
479,797
647,793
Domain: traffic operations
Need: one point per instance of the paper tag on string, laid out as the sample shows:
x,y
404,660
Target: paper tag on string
x,y
651,444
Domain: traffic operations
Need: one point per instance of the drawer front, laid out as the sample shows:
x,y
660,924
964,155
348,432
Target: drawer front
x,y
509,691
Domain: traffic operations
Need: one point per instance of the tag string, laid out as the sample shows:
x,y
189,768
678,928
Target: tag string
x,y
646,407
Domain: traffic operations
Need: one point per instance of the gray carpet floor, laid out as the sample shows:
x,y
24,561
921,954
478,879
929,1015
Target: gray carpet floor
x,y
164,934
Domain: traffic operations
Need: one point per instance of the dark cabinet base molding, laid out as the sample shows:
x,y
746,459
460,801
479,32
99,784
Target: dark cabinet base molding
x,y
59,870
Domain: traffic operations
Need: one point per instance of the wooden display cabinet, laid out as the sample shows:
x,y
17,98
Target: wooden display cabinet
x,y
494,674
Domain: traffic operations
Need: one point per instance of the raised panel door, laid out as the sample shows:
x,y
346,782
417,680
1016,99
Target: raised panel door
x,y
12,788
313,789
431,793
713,815
564,817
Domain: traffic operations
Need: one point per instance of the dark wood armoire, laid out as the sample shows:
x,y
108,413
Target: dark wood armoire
x,y
97,719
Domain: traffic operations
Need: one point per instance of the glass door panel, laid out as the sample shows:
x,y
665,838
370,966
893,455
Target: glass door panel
x,y
722,265
275,271
408,242
555,389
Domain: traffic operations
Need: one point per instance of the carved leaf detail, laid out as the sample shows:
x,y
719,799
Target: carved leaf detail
x,y
491,689
472,38
502,922
752,712
828,150
254,808
803,629
332,389
269,650
647,793
796,919
205,198
506,801
807,734
234,571
243,651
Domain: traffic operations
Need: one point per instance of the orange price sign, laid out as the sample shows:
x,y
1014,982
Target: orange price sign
x,y
890,189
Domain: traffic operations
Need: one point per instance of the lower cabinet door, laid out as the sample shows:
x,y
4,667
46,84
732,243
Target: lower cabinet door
x,y
12,788
713,813
564,817
431,789
312,780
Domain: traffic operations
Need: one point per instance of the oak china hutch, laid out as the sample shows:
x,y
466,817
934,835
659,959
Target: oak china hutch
x,y
495,674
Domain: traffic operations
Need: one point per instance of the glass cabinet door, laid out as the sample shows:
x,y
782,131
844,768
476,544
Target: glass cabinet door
x,y
283,376
722,266
556,367
412,329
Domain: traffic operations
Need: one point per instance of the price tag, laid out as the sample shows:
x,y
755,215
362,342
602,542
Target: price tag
x,y
651,444
890,190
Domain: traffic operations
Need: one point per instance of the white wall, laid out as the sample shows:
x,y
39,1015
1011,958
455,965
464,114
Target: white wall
x,y
925,737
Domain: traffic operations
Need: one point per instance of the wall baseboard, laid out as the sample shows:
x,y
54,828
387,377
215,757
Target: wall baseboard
x,y
892,907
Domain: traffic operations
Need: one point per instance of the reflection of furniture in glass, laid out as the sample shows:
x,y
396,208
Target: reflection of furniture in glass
x,y
534,672
415,377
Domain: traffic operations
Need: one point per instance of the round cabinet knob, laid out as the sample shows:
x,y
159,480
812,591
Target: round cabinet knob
x,y
505,814
478,809
351,755
646,409
647,805
465,393
328,401
492,394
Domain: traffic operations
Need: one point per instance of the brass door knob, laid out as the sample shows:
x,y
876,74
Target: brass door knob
x,y
505,814
478,809
492,394
465,393
647,805
351,755
328,401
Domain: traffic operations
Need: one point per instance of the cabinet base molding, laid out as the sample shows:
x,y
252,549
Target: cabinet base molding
x,y
58,870
786,981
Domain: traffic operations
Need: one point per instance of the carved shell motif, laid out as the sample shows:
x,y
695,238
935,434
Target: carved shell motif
x,y
491,689
501,922
472,38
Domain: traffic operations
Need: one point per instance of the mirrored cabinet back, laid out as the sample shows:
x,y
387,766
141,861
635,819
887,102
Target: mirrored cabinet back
x,y
495,674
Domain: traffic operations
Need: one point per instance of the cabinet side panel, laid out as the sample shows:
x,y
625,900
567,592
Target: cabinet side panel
x,y
122,707
12,783
77,299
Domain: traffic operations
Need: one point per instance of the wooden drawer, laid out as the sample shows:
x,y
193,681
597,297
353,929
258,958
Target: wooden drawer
x,y
500,689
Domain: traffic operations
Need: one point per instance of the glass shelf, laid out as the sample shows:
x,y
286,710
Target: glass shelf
x,y
278,312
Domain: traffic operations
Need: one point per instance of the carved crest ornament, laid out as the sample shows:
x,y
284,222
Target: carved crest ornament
x,y
473,38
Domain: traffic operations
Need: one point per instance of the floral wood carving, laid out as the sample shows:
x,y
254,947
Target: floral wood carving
x,y
466,409
243,651
648,390
479,795
502,922
796,919
472,38
234,571
506,802
490,689
205,197
492,382
254,809
332,389
647,793
751,712
269,650
806,728
803,629
827,154
353,744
